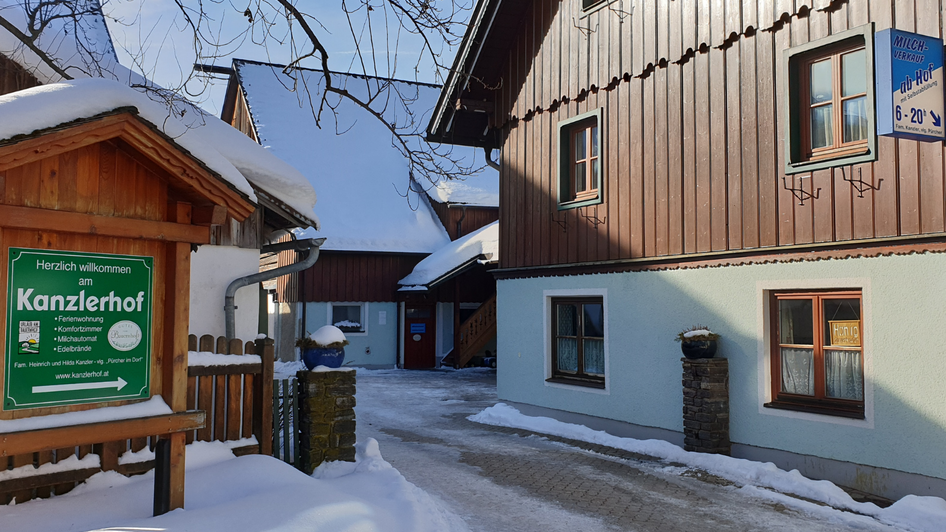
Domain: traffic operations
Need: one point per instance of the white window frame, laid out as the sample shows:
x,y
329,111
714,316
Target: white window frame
x,y
764,290
364,315
547,296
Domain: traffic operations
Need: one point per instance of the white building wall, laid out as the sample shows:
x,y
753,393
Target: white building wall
x,y
904,360
213,268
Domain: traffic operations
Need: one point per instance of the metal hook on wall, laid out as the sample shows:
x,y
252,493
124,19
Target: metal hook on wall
x,y
859,184
563,223
800,193
584,31
593,219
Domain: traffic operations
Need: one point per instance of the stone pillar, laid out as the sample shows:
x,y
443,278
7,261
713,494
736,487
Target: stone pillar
x,y
326,417
706,405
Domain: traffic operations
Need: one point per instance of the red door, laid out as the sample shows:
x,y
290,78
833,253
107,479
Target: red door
x,y
419,337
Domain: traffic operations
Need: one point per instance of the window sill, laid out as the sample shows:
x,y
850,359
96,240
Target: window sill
x,y
827,410
580,202
577,382
601,4
847,159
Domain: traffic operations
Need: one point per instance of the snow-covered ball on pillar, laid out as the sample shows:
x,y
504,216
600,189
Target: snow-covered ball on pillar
x,y
324,348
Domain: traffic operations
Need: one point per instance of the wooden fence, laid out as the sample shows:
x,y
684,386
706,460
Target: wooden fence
x,y
238,400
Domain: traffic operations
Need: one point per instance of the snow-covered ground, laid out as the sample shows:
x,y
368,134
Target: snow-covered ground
x,y
249,493
459,473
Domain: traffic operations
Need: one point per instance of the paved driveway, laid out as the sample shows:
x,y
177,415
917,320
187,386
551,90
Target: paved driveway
x,y
511,480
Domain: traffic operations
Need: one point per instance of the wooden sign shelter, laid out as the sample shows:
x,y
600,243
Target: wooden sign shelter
x,y
104,194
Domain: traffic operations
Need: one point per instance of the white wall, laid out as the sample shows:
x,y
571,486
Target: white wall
x,y
212,269
904,357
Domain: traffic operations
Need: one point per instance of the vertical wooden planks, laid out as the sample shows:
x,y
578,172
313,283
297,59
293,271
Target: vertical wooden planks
x,y
635,119
749,135
703,162
49,183
648,173
718,133
675,155
735,200
624,172
690,158
661,185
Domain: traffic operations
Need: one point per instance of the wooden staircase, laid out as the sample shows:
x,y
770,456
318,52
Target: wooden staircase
x,y
475,332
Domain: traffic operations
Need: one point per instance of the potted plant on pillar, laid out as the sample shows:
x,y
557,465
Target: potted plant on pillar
x,y
698,342
324,347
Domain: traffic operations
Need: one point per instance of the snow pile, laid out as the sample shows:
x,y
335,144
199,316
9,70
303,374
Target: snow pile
x,y
206,358
328,335
361,177
482,244
912,512
697,332
197,450
409,508
152,407
246,494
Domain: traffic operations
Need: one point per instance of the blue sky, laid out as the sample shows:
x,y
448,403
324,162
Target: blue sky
x,y
154,34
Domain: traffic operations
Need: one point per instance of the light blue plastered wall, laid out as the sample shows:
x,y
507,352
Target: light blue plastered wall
x,y
904,316
377,346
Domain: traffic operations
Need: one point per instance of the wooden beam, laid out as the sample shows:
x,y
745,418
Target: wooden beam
x,y
49,479
74,222
209,215
59,141
30,441
174,363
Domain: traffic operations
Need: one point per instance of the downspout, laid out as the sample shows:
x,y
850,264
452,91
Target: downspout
x,y
309,245
489,161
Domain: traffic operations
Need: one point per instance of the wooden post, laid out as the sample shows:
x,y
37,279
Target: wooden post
x,y
456,323
263,392
174,364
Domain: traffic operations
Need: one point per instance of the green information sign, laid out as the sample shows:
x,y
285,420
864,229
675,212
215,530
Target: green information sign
x,y
78,328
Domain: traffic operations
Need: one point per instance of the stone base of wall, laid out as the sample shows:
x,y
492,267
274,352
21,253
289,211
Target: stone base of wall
x,y
326,417
706,405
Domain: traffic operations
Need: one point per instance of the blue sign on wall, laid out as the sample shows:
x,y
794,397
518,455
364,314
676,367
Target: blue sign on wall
x,y
418,328
909,74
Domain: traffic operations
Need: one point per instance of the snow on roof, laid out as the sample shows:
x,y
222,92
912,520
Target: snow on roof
x,y
482,244
480,189
47,106
93,55
361,177
81,45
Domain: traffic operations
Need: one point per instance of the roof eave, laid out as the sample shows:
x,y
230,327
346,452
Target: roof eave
x,y
463,65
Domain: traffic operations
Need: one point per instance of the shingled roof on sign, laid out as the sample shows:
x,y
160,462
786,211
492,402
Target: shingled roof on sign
x,y
361,176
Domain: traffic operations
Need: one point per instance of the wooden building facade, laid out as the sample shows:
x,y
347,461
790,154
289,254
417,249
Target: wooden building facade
x,y
666,164
693,162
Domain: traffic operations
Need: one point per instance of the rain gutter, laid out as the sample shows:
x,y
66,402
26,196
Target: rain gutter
x,y
310,246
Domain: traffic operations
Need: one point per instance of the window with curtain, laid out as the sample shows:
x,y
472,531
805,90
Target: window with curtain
x,y
817,353
578,341
581,160
829,101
